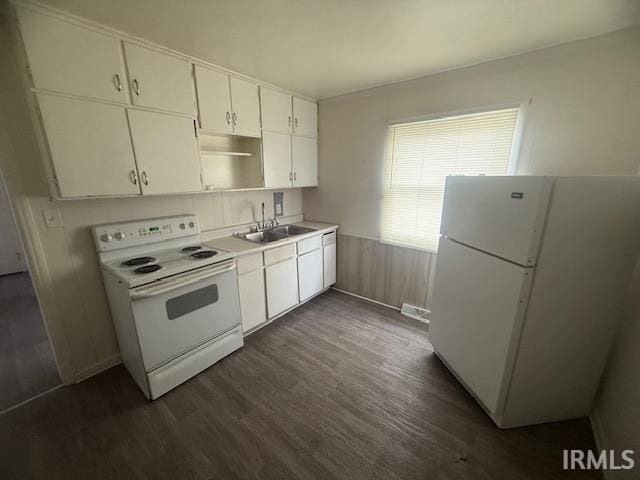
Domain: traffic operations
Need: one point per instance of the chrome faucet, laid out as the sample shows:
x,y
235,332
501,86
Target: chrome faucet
x,y
272,222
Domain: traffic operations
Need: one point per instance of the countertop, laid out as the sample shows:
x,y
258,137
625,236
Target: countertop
x,y
241,247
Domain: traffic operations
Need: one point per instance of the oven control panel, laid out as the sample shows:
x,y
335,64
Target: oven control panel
x,y
131,234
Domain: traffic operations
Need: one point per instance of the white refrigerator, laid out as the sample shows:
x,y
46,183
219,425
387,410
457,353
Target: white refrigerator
x,y
531,280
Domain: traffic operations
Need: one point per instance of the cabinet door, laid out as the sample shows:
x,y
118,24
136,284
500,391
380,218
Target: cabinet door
x,y
70,59
304,158
282,286
252,299
329,259
276,111
166,152
90,147
276,151
305,117
246,107
214,100
158,80
310,277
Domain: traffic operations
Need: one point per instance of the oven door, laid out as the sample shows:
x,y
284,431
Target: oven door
x,y
179,313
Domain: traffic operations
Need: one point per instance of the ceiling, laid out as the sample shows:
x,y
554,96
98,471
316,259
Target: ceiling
x,y
323,48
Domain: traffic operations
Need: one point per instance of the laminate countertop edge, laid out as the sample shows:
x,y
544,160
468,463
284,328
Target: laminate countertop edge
x,y
240,247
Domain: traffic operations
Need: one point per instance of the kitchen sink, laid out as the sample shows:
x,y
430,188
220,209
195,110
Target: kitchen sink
x,y
292,230
274,234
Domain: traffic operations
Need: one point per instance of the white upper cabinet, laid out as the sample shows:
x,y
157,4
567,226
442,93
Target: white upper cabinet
x,y
304,158
214,100
246,107
166,152
90,147
276,148
67,58
276,111
158,80
305,117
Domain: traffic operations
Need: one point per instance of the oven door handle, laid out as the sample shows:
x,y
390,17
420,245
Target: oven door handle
x,y
180,281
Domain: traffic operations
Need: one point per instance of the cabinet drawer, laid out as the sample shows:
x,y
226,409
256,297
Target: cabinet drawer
x,y
249,263
278,254
329,238
309,244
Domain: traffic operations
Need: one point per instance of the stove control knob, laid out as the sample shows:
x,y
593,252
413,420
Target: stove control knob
x,y
119,236
182,226
106,237
192,225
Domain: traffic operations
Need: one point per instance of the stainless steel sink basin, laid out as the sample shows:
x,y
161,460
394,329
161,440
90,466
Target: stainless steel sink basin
x,y
265,236
292,230
274,234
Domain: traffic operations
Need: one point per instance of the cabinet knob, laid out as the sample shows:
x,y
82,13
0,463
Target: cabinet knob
x,y
228,118
145,178
291,176
289,120
235,118
133,176
295,176
136,86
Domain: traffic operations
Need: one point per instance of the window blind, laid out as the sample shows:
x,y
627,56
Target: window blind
x,y
420,155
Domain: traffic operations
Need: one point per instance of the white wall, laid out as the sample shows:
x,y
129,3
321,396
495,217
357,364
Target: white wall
x,y
617,409
583,119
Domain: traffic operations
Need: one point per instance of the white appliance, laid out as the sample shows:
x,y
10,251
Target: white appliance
x,y
174,303
530,284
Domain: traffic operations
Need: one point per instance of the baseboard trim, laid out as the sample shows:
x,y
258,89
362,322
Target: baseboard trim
x,y
96,368
365,298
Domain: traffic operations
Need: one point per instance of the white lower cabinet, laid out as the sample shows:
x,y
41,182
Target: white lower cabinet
x,y
310,277
282,286
329,258
252,299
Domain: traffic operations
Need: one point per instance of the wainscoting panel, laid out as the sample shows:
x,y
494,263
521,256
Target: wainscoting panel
x,y
385,273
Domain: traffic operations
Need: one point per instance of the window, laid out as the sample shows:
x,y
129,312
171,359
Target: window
x,y
420,155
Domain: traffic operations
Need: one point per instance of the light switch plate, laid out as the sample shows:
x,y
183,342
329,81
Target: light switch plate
x,y
52,218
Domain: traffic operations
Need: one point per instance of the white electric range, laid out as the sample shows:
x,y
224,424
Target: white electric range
x,y
174,302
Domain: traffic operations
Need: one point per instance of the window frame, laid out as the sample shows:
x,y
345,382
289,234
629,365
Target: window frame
x,y
512,164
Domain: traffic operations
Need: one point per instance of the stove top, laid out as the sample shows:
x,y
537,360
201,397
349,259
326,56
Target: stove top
x,y
138,261
149,266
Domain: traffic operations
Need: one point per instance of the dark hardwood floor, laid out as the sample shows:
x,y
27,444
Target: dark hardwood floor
x,y
27,367
339,388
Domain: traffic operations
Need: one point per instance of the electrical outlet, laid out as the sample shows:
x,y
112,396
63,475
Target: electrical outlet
x,y
52,218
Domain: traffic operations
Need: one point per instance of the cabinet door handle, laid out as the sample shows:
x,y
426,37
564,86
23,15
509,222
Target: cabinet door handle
x,y
235,118
291,176
289,120
133,176
228,118
295,176
117,82
296,124
145,178
136,86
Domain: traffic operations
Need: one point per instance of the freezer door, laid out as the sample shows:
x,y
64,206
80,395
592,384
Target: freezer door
x,y
503,216
476,318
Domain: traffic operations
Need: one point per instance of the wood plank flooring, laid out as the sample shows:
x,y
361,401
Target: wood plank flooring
x,y
27,367
337,389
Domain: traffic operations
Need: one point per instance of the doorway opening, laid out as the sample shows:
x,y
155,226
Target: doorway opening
x,y
27,365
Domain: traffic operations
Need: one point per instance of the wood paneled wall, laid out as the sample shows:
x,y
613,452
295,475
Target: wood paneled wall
x,y
385,273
